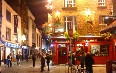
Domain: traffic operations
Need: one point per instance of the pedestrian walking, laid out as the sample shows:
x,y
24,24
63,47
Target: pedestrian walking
x,y
42,62
27,57
74,58
82,61
89,61
9,58
48,60
34,59
18,59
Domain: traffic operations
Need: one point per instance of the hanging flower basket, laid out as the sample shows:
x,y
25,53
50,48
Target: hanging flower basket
x,y
57,21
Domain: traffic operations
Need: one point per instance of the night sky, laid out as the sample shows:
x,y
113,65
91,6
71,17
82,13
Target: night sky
x,y
38,9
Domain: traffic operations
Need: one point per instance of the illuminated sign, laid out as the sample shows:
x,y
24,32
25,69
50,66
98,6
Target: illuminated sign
x,y
12,45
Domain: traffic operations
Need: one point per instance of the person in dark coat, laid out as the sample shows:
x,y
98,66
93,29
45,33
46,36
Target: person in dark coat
x,y
82,60
48,60
73,58
34,59
27,57
9,57
18,59
42,62
89,61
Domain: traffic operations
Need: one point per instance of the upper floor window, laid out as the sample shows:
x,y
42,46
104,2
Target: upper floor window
x,y
101,3
104,19
70,23
8,34
69,3
8,15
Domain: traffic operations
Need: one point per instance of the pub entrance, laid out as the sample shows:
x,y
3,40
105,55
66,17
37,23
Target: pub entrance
x,y
62,55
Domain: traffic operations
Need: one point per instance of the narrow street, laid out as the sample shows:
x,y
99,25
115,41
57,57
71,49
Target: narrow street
x,y
26,67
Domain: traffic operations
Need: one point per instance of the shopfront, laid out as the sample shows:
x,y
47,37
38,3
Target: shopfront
x,y
101,50
8,48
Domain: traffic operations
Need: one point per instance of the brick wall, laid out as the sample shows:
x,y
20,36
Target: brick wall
x,y
82,5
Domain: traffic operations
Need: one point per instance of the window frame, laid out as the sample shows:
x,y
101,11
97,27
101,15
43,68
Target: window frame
x,y
69,3
101,3
8,34
8,15
71,22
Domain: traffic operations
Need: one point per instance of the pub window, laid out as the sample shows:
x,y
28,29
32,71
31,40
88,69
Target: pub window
x,y
8,15
101,3
104,19
100,50
69,3
8,34
69,23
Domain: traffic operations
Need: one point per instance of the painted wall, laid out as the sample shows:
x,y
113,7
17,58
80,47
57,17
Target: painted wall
x,y
39,40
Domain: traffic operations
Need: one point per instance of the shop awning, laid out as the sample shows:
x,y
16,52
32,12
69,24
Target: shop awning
x,y
110,28
1,42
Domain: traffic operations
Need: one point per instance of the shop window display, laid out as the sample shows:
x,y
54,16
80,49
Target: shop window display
x,y
100,50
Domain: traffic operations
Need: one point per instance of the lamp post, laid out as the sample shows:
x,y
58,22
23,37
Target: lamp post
x,y
23,38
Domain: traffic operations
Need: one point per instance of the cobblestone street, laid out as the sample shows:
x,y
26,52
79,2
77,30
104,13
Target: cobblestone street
x,y
26,67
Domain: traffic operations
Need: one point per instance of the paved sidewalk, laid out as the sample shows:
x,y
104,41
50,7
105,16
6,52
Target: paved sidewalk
x,y
26,67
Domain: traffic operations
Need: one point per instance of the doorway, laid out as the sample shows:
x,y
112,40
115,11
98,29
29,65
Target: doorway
x,y
62,55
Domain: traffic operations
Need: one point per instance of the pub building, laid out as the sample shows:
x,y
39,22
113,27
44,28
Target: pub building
x,y
112,29
101,49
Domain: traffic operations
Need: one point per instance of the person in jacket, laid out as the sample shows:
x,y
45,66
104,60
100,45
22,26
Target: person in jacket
x,y
82,60
9,57
42,62
73,58
34,59
89,61
48,60
18,59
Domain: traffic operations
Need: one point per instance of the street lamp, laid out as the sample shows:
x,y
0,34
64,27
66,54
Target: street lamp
x,y
23,38
89,20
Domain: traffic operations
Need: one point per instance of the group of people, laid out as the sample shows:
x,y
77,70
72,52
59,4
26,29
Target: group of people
x,y
85,59
9,60
45,59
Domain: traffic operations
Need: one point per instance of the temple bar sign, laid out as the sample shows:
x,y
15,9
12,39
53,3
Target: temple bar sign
x,y
12,45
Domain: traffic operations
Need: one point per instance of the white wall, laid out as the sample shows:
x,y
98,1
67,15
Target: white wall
x,y
39,41
10,25
31,19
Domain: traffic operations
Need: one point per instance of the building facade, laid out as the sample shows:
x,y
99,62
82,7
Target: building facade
x,y
32,32
28,27
38,41
85,17
10,32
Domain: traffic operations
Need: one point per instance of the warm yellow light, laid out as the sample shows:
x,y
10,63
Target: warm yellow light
x,y
50,25
49,1
57,13
23,38
87,12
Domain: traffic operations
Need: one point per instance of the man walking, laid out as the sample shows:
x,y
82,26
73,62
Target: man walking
x,y
34,59
89,61
9,57
18,59
48,60
42,62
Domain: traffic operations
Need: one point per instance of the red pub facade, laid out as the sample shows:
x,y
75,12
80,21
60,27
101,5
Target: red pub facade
x,y
101,50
